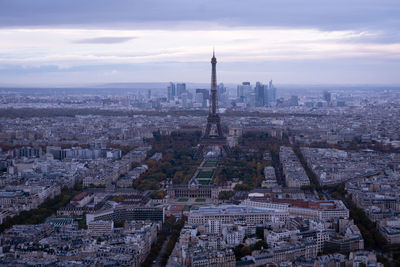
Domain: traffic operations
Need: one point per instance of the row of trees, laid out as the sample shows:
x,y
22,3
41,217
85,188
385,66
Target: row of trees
x,y
56,112
356,144
176,231
372,238
314,183
45,210
71,112
171,229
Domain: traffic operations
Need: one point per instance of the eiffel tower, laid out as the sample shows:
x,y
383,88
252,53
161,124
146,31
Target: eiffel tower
x,y
213,139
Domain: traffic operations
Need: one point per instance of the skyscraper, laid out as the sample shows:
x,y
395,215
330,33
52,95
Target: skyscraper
x,y
270,94
259,98
199,99
294,100
327,96
205,95
222,94
171,91
180,89
243,91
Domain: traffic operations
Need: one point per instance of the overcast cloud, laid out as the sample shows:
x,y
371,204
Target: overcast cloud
x,y
104,40
290,41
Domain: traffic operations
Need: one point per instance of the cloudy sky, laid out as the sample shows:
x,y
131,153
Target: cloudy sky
x,y
71,42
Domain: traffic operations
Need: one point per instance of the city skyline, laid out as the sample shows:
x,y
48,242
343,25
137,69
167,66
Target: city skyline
x,y
121,146
73,43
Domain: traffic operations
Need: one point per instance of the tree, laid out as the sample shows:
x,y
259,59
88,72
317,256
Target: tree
x,y
245,251
178,177
225,195
242,187
118,198
260,244
157,194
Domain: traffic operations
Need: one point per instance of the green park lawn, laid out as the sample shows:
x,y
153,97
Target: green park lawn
x,y
210,164
203,174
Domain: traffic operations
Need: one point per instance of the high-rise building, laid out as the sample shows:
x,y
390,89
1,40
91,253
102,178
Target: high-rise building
x,y
171,91
199,99
239,92
259,98
327,96
222,94
185,97
243,91
203,97
294,100
250,99
180,89
270,94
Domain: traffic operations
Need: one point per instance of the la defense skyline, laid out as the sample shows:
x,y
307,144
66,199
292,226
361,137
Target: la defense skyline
x,y
245,93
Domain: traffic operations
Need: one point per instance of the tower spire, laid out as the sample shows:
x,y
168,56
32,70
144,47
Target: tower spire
x,y
213,84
